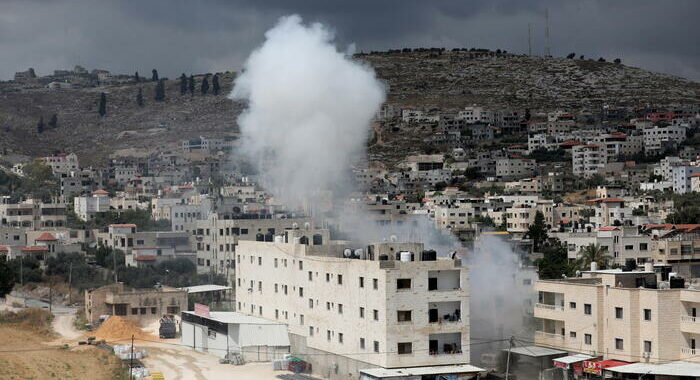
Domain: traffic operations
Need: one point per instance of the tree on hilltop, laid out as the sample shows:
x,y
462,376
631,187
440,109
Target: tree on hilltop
x,y
191,84
183,84
215,84
160,91
103,104
205,85
154,76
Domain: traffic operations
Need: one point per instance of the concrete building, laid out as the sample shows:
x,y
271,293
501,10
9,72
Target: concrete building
x,y
514,168
658,139
87,207
626,316
587,159
682,177
32,214
140,305
393,304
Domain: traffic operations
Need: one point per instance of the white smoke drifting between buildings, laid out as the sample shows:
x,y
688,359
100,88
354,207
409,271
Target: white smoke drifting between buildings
x,y
309,110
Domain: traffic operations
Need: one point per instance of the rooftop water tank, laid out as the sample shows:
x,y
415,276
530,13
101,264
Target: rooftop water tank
x,y
405,256
347,252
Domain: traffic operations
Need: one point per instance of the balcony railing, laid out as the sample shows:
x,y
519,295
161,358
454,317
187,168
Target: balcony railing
x,y
546,335
689,351
691,319
549,307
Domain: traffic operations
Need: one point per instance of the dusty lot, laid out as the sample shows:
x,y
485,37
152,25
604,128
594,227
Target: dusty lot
x,y
26,354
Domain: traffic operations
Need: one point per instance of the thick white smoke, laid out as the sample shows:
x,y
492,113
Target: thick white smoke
x,y
309,110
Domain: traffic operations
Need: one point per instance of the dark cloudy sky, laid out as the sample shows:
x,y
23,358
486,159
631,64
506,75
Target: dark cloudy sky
x,y
198,36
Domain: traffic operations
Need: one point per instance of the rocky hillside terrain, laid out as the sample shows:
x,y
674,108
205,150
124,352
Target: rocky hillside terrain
x,y
421,78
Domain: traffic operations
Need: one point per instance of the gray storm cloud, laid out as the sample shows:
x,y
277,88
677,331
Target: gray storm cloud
x,y
309,108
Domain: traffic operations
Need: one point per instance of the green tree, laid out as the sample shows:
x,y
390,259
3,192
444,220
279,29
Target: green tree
x,y
40,126
686,209
215,84
103,104
191,85
7,276
537,231
160,91
554,262
139,98
205,85
154,75
594,253
183,84
53,122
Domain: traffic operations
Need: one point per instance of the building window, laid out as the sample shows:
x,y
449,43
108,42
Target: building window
x,y
277,314
572,305
647,346
275,263
311,303
376,346
405,348
301,291
340,308
629,247
362,343
587,309
375,312
362,312
362,282
619,344
643,246
301,319
618,313
647,314
328,305
340,338
311,331
403,283
403,315
311,276
572,334
260,310
340,279
276,288
588,339
301,265
328,335
375,283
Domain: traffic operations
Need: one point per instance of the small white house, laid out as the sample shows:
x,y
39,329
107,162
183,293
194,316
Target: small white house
x,y
225,333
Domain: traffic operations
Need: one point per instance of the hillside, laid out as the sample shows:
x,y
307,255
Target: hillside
x,y
449,79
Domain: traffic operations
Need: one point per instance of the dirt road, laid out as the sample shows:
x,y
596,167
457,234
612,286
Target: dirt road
x,y
63,325
183,363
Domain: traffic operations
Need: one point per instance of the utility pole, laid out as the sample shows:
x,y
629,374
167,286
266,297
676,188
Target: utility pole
x,y
114,262
70,281
510,346
21,268
547,51
529,39
50,295
131,358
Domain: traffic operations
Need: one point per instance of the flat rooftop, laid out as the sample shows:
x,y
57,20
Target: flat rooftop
x,y
421,371
232,317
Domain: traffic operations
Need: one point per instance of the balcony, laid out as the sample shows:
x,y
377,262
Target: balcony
x,y
549,339
549,311
690,324
445,344
687,352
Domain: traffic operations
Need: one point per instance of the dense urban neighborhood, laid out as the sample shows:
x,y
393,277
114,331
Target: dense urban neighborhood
x,y
501,216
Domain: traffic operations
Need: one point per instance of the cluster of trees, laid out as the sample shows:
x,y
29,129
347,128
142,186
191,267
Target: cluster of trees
x,y
601,59
41,126
38,182
189,84
687,209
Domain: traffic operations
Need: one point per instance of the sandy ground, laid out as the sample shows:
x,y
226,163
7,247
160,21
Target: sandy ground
x,y
183,363
63,325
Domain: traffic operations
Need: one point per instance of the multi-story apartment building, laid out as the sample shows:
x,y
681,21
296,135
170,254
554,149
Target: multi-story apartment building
x,y
32,214
87,207
681,176
626,316
392,305
620,243
657,139
587,159
665,167
677,245
514,167
62,164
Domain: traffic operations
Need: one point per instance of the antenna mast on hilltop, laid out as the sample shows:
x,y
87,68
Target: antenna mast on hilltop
x,y
529,39
547,52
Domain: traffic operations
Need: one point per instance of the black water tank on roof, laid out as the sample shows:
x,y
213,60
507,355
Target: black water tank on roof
x,y
383,257
677,282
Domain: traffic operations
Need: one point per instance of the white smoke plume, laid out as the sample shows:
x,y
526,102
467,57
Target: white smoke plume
x,y
309,110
